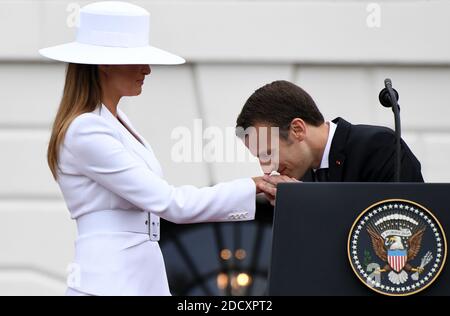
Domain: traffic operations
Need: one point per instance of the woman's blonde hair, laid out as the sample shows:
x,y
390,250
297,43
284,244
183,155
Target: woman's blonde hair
x,y
82,93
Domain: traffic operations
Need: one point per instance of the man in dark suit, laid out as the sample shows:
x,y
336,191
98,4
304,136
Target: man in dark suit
x,y
308,148
366,153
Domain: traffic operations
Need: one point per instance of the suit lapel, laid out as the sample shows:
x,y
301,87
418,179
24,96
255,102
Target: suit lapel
x,y
337,155
336,158
142,151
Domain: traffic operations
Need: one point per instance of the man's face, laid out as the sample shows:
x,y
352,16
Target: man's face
x,y
289,156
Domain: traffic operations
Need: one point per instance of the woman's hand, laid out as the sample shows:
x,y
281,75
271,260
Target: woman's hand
x,y
267,185
263,186
274,180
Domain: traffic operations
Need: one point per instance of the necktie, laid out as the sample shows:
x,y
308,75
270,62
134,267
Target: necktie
x,y
321,175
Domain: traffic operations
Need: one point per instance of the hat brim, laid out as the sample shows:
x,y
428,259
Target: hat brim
x,y
79,53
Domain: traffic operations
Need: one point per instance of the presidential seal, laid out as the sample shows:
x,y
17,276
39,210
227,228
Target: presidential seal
x,y
397,247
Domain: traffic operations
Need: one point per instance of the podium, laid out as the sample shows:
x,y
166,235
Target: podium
x,y
360,239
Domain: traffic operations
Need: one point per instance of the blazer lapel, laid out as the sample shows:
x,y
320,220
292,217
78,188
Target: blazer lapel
x,y
337,155
142,150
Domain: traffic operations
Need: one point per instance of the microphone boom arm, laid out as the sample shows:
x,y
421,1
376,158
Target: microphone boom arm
x,y
388,97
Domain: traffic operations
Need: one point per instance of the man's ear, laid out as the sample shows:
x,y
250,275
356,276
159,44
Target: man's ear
x,y
298,129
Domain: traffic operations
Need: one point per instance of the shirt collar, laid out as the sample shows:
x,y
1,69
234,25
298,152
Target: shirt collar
x,y
325,163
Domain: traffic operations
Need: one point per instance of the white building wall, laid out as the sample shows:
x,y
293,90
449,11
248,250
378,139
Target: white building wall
x,y
232,48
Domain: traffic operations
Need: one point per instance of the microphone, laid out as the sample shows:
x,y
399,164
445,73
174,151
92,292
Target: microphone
x,y
385,96
388,98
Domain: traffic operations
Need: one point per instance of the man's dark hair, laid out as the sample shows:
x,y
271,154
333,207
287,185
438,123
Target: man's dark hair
x,y
277,104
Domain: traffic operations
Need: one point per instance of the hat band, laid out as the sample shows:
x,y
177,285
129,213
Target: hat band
x,y
112,39
113,31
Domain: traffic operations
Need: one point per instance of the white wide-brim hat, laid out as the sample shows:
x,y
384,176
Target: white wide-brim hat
x,y
112,33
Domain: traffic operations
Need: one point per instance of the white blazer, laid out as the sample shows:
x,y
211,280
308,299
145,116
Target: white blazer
x,y
111,184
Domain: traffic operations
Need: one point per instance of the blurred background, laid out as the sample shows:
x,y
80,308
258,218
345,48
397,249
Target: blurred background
x,y
339,51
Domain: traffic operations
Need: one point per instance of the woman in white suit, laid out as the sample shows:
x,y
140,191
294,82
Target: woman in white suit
x,y
108,174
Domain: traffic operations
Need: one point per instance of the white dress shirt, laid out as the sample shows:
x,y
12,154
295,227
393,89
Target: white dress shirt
x,y
326,153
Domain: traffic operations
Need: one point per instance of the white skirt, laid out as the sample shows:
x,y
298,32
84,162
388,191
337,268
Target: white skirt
x,y
119,264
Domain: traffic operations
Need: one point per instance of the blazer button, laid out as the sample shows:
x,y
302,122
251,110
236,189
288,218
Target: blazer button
x,y
146,222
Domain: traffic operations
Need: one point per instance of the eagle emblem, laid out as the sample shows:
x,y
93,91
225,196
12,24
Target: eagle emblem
x,y
397,247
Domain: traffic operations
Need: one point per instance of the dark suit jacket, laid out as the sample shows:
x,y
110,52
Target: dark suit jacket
x,y
365,153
